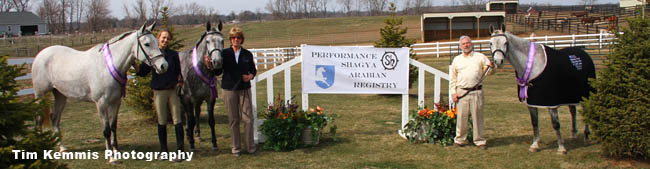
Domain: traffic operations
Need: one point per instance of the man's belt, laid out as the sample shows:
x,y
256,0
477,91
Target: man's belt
x,y
479,87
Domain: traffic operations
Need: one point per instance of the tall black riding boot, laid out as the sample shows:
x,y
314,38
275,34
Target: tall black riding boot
x,y
180,140
162,137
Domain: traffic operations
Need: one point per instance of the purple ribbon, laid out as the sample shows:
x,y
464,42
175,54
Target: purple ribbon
x,y
108,58
212,81
523,81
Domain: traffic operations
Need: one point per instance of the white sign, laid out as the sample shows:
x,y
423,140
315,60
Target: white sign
x,y
355,70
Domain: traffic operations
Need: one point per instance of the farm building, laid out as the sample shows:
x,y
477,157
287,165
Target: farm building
x,y
629,3
511,7
449,26
21,23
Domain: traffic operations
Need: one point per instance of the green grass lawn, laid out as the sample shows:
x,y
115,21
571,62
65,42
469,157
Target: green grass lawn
x,y
367,135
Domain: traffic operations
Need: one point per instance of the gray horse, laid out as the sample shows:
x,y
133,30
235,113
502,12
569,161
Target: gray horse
x,y
95,75
546,78
200,81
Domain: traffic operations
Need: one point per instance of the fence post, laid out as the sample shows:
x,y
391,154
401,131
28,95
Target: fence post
x,y
573,40
437,49
420,87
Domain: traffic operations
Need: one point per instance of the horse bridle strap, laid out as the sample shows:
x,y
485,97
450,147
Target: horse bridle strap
x,y
523,81
499,50
119,77
211,51
142,48
210,81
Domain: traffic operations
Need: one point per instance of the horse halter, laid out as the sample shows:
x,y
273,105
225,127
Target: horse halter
x,y
499,50
142,48
209,65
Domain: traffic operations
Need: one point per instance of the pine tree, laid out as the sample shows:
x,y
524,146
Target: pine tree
x,y
139,94
16,129
619,110
394,36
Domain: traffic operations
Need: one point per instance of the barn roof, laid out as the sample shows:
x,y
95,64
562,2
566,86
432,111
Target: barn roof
x,y
462,14
501,1
19,18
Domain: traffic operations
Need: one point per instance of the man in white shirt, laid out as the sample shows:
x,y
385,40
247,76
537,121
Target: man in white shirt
x,y
467,71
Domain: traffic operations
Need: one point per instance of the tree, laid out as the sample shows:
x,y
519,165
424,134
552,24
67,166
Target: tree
x,y
619,110
473,5
376,7
6,5
393,36
21,5
16,116
347,6
140,10
97,15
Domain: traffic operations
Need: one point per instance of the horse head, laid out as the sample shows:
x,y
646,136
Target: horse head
x,y
498,44
147,49
211,43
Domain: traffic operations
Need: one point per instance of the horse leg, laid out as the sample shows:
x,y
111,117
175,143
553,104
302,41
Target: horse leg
x,y
197,118
534,120
113,110
59,104
556,126
587,132
187,109
574,131
102,109
211,122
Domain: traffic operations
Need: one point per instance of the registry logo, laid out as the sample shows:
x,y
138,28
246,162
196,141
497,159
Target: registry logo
x,y
324,76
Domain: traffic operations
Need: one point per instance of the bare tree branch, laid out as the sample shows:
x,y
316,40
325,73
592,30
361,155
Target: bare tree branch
x,y
6,5
21,5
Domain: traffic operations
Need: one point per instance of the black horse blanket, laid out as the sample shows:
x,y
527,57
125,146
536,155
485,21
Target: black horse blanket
x,y
564,79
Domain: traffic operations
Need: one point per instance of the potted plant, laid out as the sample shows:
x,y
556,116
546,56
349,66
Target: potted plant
x,y
315,120
437,126
288,128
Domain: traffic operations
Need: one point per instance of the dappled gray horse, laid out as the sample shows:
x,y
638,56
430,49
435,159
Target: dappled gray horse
x,y
200,81
546,78
97,74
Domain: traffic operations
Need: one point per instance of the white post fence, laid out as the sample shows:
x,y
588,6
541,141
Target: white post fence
x,y
286,67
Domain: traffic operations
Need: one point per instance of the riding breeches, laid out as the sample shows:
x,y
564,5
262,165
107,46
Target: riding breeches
x,y
166,101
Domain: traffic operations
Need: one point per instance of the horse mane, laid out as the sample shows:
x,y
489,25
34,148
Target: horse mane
x,y
120,37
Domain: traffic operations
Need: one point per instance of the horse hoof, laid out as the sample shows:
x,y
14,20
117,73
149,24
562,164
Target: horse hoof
x,y
215,149
533,150
113,161
62,149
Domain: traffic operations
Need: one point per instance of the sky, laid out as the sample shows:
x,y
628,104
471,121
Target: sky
x,y
225,7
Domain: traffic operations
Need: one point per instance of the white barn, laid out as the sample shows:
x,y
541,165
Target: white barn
x,y
21,23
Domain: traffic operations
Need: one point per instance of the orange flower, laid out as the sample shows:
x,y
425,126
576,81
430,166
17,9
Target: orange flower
x,y
319,108
311,109
280,115
422,112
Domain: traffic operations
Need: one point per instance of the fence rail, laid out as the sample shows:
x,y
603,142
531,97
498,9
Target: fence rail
x,y
592,41
273,57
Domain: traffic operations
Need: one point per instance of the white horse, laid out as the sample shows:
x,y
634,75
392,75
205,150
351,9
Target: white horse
x,y
546,78
97,74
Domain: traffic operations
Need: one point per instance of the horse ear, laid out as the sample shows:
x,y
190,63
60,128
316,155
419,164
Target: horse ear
x,y
153,25
143,27
208,26
220,26
503,27
491,29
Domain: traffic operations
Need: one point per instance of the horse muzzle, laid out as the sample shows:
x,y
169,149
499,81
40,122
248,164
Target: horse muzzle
x,y
160,64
